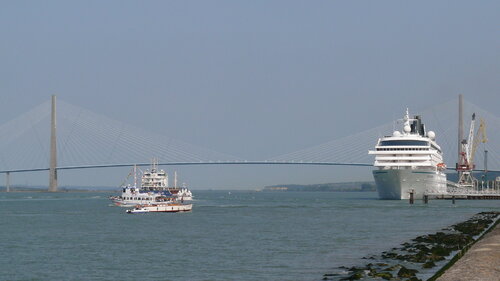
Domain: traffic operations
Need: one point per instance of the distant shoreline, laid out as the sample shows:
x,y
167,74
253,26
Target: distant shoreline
x,y
323,187
59,191
361,186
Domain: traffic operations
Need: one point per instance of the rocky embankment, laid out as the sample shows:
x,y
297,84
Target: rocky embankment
x,y
419,257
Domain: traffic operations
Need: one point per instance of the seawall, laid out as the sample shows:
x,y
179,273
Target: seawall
x,y
480,262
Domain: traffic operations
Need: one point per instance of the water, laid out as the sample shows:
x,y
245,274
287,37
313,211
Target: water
x,y
237,235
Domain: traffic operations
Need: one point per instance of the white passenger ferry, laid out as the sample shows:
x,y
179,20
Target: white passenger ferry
x,y
409,161
153,188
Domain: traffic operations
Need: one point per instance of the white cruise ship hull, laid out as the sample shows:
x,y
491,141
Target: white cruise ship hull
x,y
397,184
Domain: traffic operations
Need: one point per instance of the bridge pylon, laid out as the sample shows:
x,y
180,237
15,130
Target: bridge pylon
x,y
53,149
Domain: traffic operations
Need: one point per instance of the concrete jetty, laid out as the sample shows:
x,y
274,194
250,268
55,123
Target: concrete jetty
x,y
480,262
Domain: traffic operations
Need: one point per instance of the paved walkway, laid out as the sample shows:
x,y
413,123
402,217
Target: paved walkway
x,y
481,262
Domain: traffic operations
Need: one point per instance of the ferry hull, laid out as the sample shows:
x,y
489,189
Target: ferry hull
x,y
162,208
397,184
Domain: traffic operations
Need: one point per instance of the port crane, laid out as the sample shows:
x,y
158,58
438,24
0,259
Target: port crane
x,y
466,165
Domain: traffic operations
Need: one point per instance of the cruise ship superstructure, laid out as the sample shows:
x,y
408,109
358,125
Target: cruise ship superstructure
x,y
409,161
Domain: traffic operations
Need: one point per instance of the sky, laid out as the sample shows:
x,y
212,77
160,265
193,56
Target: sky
x,y
254,79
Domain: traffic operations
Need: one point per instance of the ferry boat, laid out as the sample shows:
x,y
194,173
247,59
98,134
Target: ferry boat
x,y
154,187
409,161
161,207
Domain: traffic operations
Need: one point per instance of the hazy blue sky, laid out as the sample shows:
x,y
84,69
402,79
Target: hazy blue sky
x,y
253,79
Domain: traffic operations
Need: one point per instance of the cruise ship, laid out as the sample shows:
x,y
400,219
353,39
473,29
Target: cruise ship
x,y
409,161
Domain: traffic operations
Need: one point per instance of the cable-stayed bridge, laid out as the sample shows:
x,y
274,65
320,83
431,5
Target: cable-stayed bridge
x,y
86,139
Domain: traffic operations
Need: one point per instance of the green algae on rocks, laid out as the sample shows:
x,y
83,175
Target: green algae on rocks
x,y
422,252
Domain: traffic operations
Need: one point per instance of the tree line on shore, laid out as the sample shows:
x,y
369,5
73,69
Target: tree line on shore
x,y
341,186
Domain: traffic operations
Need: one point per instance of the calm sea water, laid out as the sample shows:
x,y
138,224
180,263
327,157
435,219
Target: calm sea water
x,y
235,235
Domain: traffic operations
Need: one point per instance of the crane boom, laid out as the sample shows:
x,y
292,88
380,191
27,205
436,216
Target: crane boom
x,y
470,140
480,138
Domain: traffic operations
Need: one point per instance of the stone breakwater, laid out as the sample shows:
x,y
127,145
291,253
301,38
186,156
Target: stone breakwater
x,y
480,262
418,259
